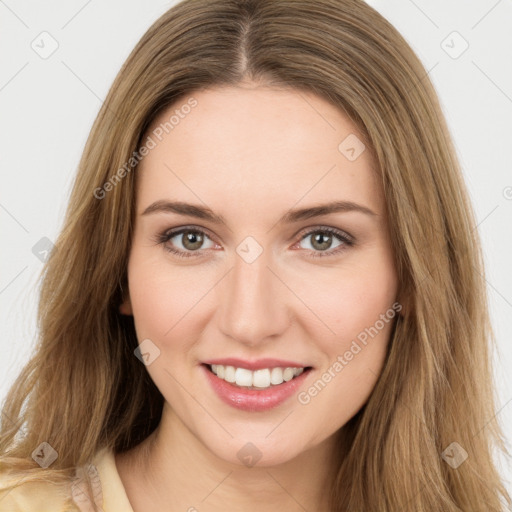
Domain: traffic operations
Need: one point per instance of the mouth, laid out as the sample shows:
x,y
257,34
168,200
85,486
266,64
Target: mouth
x,y
263,378
261,388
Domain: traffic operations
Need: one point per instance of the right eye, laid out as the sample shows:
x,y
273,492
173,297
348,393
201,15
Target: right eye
x,y
184,242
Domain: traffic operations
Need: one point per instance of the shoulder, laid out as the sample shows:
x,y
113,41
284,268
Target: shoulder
x,y
98,483
31,496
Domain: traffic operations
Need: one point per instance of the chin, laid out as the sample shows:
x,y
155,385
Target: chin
x,y
257,449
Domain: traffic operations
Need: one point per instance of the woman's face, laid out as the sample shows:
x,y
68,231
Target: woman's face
x,y
239,269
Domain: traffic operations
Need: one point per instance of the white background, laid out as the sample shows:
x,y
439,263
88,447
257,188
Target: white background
x,y
48,106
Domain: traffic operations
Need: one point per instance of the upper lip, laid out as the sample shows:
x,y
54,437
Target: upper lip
x,y
257,364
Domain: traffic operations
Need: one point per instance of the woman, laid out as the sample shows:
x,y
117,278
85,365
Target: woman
x,y
268,292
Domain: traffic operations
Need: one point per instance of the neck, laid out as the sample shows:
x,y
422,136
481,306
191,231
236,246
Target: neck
x,y
173,470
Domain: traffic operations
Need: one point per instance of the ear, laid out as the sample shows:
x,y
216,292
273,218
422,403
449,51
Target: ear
x,y
125,308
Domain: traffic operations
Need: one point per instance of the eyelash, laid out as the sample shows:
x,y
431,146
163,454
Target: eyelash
x,y
347,241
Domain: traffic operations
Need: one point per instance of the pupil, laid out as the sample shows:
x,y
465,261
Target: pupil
x,y
317,241
193,240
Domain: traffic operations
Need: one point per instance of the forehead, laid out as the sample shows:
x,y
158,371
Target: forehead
x,y
261,145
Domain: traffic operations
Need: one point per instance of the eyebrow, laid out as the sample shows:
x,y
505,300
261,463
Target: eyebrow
x,y
296,215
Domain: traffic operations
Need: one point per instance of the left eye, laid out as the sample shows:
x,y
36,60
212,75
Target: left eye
x,y
322,240
190,241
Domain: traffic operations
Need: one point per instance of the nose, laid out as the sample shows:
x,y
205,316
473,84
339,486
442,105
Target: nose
x,y
253,302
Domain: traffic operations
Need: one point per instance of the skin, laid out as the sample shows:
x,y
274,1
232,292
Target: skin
x,y
251,153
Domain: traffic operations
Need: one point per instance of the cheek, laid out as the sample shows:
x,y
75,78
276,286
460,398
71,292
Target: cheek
x,y
359,306
166,303
348,302
345,382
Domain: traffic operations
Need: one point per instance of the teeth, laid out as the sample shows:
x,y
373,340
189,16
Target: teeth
x,y
229,373
288,374
243,377
276,376
260,379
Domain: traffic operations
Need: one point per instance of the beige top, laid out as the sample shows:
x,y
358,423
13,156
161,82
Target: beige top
x,y
108,490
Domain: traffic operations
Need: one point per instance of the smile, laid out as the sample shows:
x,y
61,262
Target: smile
x,y
258,379
255,386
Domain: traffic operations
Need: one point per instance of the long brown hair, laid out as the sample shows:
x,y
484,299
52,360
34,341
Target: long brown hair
x,y
84,389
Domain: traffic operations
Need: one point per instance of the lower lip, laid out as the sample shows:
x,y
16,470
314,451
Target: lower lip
x,y
254,400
